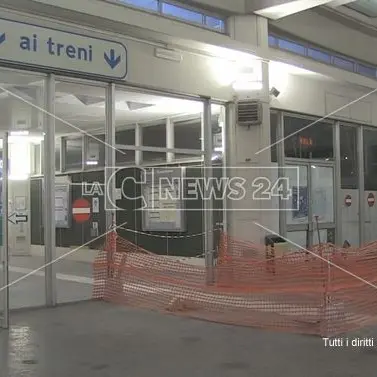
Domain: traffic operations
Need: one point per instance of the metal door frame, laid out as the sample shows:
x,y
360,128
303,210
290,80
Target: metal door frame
x,y
310,227
4,285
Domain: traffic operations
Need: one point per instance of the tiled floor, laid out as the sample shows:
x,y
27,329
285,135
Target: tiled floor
x,y
98,339
27,287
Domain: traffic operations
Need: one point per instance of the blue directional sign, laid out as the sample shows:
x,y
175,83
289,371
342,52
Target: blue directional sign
x,y
57,50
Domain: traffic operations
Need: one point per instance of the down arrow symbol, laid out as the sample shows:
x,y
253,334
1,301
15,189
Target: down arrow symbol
x,y
111,60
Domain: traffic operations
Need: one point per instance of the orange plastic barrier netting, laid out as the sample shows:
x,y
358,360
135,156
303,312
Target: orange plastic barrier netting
x,y
298,292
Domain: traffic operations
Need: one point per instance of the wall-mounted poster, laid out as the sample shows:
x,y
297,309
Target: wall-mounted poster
x,y
62,202
164,207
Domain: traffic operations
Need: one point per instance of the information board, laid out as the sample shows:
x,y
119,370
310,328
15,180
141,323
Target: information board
x,y
63,212
25,44
164,207
62,204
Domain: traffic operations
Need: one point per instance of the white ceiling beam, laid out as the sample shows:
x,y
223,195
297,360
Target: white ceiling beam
x,y
275,9
339,3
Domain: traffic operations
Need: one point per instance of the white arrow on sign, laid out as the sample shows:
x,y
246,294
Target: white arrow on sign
x,y
16,218
57,50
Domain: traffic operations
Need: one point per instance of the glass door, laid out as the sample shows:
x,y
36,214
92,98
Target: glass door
x,y
310,212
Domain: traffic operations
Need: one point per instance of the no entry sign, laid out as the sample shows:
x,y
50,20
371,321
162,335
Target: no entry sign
x,y
371,200
348,200
81,210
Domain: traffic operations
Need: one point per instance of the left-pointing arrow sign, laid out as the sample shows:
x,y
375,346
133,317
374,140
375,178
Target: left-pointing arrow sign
x,y
16,218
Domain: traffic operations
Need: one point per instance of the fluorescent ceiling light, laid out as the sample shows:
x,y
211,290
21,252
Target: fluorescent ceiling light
x,y
92,162
19,133
24,139
288,8
23,177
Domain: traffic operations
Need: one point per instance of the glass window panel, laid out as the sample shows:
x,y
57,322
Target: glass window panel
x,y
370,159
146,4
78,107
319,55
298,202
366,70
215,23
274,129
307,138
57,155
125,157
96,151
73,154
182,13
292,46
324,235
343,63
272,41
188,135
36,166
322,193
299,238
154,157
126,137
348,157
154,136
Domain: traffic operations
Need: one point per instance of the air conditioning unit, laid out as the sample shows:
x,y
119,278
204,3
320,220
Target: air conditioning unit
x,y
249,113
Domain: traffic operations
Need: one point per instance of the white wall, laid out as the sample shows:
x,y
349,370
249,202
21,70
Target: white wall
x,y
326,98
333,35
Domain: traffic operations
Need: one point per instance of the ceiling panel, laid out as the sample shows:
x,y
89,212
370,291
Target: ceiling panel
x,y
366,7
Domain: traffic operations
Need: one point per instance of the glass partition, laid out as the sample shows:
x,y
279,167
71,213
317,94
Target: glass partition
x,y
322,193
274,117
370,183
349,190
299,201
308,138
22,107
79,189
73,153
95,151
125,137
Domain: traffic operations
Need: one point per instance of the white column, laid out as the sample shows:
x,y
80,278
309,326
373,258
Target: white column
x,y
243,143
110,157
207,175
338,182
49,191
360,148
247,29
229,160
4,295
170,139
138,143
